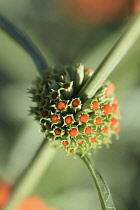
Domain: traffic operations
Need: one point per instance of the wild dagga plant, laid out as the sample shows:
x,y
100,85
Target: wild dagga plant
x,y
79,113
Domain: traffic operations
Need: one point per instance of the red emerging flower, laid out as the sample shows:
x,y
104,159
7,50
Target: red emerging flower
x,y
95,105
54,118
93,139
44,114
83,118
65,143
113,121
61,105
73,132
68,120
114,107
107,109
88,130
98,121
105,129
75,103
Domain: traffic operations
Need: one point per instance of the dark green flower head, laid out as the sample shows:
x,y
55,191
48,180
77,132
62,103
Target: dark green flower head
x,y
74,124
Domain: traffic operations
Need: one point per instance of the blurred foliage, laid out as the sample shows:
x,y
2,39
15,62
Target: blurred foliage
x,y
67,184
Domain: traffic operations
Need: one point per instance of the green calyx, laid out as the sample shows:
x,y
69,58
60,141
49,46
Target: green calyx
x,y
75,124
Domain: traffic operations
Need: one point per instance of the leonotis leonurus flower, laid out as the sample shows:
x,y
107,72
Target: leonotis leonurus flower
x,y
75,124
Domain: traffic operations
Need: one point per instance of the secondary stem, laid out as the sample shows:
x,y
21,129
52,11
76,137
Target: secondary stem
x,y
102,188
111,60
25,42
32,175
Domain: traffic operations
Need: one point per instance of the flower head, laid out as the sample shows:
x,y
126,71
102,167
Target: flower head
x,y
34,203
75,124
5,191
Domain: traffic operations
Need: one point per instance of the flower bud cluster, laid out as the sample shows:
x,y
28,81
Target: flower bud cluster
x,y
75,124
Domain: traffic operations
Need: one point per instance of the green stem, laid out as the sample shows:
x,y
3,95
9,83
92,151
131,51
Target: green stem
x,y
25,42
26,184
112,59
102,188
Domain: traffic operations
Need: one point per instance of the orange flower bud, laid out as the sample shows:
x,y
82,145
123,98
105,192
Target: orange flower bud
x,y
88,130
83,118
93,139
107,109
73,132
95,105
65,143
105,129
98,121
113,121
61,105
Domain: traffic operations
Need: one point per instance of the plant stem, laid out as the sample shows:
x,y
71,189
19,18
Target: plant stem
x,y
112,59
32,175
102,188
25,42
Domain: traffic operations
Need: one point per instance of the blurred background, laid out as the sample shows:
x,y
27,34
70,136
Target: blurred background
x,y
70,31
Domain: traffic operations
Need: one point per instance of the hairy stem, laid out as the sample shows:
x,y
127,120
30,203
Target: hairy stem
x,y
25,42
102,188
31,177
112,59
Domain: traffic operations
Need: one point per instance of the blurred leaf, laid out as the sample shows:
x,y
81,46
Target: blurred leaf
x,y
127,70
23,150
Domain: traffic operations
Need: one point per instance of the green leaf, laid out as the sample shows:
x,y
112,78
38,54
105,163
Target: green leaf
x,y
101,186
111,60
105,194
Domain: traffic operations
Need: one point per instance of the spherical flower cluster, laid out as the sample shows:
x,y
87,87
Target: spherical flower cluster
x,y
76,125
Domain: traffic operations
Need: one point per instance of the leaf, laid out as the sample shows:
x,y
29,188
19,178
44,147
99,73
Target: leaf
x,y
111,60
106,197
101,186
